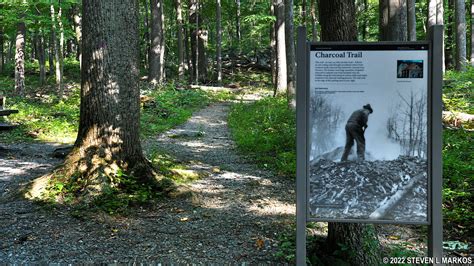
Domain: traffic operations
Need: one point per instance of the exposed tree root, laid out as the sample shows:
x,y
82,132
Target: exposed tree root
x,y
84,176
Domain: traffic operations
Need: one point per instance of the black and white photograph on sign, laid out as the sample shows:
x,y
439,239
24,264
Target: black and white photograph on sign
x,y
368,134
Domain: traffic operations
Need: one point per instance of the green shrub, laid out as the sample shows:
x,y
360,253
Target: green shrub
x,y
267,130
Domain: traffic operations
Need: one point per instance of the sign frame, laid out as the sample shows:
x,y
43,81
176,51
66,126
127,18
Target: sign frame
x,y
434,142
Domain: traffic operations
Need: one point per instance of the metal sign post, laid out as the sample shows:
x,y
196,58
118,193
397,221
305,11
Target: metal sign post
x,y
341,74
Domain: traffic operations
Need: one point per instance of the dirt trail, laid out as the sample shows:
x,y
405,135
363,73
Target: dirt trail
x,y
235,214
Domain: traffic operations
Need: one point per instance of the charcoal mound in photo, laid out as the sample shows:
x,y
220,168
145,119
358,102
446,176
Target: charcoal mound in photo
x,y
336,154
381,190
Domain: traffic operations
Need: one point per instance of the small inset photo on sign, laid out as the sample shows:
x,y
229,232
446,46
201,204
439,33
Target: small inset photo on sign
x,y
410,69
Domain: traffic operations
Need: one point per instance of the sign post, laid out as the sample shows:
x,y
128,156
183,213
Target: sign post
x,y
385,98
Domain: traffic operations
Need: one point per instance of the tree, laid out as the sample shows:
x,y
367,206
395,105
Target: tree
x,y
393,20
290,54
338,23
2,57
281,47
460,13
237,22
108,138
157,49
219,42
472,33
436,15
78,31
314,33
411,17
20,58
180,23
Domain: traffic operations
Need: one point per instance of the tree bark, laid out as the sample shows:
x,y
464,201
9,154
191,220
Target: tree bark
x,y
20,58
281,47
146,35
41,58
314,20
338,23
383,20
432,13
157,49
336,19
472,33
273,61
181,65
108,136
450,35
303,12
78,31
60,55
460,35
219,42
2,57
411,20
237,22
290,55
51,50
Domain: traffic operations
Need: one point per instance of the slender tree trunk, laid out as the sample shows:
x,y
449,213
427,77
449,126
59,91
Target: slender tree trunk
x,y
78,31
273,61
290,55
157,49
146,35
281,47
20,58
411,20
237,22
398,20
52,49
179,15
219,42
34,48
472,33
303,12
41,58
338,23
60,55
449,50
460,35
314,32
2,57
364,23
383,20
432,13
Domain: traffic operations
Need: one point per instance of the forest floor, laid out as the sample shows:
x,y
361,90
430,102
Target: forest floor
x,y
235,213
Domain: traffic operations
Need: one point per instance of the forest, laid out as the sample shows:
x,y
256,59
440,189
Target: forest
x,y
164,131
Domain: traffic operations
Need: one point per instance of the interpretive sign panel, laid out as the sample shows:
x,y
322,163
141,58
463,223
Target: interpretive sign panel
x,y
368,132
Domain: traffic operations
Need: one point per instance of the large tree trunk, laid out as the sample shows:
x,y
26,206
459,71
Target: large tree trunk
x,y
393,20
336,19
383,20
411,20
338,23
179,18
108,137
157,49
460,35
281,47
290,54
219,42
20,58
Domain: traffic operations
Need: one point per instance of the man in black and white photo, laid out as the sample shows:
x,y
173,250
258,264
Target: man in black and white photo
x,y
355,129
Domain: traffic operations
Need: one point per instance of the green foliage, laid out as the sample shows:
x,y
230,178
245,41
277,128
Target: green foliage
x,y
266,130
458,176
458,92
